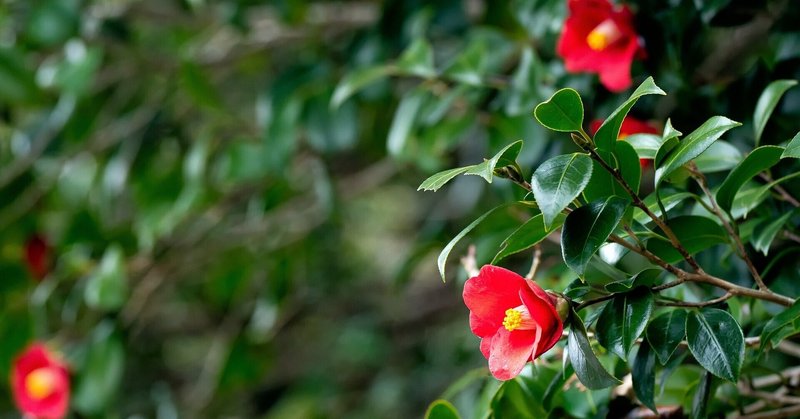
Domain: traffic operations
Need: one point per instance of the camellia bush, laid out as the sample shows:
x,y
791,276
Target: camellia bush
x,y
641,293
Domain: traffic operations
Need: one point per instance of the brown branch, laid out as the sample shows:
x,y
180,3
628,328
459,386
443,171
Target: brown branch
x,y
696,305
537,257
783,412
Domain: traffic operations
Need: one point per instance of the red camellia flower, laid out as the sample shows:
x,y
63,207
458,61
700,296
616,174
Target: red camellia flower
x,y
599,38
40,383
630,126
516,320
37,256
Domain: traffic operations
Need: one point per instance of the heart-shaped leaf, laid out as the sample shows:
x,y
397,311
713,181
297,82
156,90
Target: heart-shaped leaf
x,y
760,159
666,332
606,136
694,144
766,104
558,181
716,341
623,320
562,112
587,228
584,361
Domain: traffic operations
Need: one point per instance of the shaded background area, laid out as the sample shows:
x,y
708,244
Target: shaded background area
x,y
228,188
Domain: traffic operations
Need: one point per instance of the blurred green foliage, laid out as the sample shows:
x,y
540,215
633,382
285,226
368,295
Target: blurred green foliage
x,y
228,187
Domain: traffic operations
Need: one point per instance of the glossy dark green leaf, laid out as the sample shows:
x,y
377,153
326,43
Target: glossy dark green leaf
x,y
556,385
750,196
558,181
702,395
505,157
587,228
584,361
793,148
695,232
513,399
665,150
776,323
720,156
602,184
647,278
417,60
693,145
442,260
760,159
562,112
526,236
353,82
623,320
765,234
607,134
766,104
441,409
643,373
666,332
669,131
716,342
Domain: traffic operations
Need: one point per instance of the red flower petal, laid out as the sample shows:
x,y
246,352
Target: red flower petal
x,y
483,328
486,345
53,406
632,125
509,352
543,311
489,295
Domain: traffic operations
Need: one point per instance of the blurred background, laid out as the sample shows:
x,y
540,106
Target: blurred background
x,y
223,193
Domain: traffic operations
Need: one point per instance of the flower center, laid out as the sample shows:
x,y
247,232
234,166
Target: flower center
x,y
518,318
40,383
603,35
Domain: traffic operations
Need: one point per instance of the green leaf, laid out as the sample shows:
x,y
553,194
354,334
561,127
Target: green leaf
x,y
646,145
438,180
442,260
669,132
793,148
353,82
100,378
441,409
760,159
603,184
505,157
669,202
764,236
584,361
587,228
718,157
667,147
646,278
107,287
470,66
403,122
702,395
770,335
766,104
623,320
562,112
526,236
697,233
643,374
558,181
666,332
693,145
417,60
556,385
607,134
750,196
716,341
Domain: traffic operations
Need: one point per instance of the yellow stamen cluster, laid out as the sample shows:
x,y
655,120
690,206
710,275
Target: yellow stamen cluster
x,y
512,320
40,383
597,40
603,35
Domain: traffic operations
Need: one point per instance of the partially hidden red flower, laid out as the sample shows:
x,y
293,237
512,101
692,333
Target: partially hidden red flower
x,y
516,320
37,256
630,126
40,383
599,37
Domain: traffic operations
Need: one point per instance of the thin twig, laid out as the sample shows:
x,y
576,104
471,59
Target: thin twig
x,y
783,412
701,180
537,257
698,305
